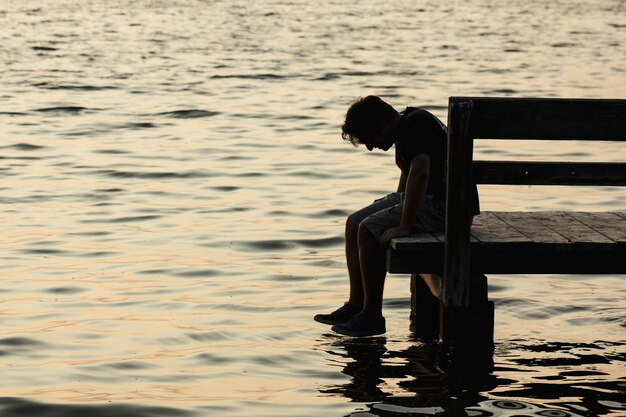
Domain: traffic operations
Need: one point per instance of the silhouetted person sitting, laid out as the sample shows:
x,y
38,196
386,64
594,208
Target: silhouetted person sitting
x,y
420,141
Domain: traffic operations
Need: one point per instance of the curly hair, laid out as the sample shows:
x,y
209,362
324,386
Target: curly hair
x,y
365,117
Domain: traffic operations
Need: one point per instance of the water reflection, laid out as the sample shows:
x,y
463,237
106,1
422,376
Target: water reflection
x,y
415,378
364,364
18,407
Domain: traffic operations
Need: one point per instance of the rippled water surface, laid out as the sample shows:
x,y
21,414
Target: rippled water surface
x,y
174,189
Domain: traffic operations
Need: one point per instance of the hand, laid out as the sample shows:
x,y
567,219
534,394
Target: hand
x,y
389,234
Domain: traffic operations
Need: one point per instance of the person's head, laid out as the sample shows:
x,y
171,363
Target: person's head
x,y
367,121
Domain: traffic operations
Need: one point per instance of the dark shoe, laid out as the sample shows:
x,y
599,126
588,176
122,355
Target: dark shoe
x,y
341,315
362,324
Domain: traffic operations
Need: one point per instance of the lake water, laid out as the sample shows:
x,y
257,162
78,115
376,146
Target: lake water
x,y
174,188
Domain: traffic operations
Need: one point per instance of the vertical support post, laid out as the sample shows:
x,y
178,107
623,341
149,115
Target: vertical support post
x,y
459,204
466,323
467,332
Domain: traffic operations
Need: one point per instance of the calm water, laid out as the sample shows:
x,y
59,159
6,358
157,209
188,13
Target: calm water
x,y
174,188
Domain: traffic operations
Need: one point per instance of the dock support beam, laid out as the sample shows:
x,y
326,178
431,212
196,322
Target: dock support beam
x,y
465,333
459,205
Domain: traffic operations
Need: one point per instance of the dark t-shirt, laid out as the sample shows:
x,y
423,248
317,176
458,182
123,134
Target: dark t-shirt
x,y
421,132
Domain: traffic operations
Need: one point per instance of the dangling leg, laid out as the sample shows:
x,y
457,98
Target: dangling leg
x,y
433,281
373,271
356,298
352,260
370,321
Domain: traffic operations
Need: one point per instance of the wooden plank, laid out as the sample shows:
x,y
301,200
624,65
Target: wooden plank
x,y
487,227
441,236
537,227
427,259
538,237
530,227
608,224
622,214
418,241
547,258
521,258
572,229
550,173
413,242
458,208
542,118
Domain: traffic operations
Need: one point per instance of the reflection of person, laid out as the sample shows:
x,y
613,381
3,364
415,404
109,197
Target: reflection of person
x,y
408,377
363,360
418,205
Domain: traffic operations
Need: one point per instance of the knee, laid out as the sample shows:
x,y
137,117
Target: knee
x,y
366,238
352,225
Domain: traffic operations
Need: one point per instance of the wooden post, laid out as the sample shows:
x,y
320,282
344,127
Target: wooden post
x,y
466,326
467,332
466,323
459,204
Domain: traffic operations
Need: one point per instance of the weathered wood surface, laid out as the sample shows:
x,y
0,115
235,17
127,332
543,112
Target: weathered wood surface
x,y
550,173
456,265
488,227
526,242
571,228
531,227
604,223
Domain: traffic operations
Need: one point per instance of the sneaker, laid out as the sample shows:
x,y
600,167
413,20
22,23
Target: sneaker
x,y
341,315
362,324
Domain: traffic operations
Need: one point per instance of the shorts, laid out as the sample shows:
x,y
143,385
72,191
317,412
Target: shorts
x,y
386,213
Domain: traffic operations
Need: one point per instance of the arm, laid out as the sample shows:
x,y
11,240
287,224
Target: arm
x,y
416,186
415,190
402,183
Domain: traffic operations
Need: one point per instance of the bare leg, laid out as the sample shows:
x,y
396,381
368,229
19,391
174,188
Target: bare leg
x,y
433,281
352,260
373,271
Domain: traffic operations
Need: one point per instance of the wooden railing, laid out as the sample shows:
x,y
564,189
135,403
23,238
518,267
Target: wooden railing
x,y
516,118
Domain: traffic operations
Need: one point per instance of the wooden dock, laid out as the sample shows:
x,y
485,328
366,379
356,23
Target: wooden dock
x,y
533,242
513,242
